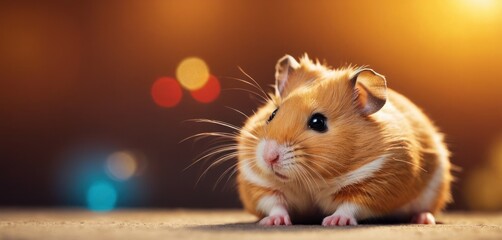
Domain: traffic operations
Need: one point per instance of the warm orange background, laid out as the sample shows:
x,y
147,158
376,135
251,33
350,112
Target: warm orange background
x,y
79,73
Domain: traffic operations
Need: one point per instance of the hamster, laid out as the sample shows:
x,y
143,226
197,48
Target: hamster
x,y
338,146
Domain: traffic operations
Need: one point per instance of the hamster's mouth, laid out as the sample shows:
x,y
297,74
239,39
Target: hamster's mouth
x,y
280,176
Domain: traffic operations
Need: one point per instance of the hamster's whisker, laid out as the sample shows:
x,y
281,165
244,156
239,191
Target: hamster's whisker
x,y
225,124
233,153
224,173
300,141
296,176
292,156
230,146
314,171
300,148
218,149
262,100
308,180
236,169
211,134
238,111
322,157
324,168
256,83
217,122
213,151
252,84
290,151
302,181
247,162
288,164
312,181
295,140
218,161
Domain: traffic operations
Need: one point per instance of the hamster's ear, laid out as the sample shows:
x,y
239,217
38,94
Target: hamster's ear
x,y
283,70
371,90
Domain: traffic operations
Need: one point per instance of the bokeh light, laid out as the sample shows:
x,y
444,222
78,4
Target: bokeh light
x,y
166,92
101,196
482,185
192,73
98,177
121,165
481,3
481,9
209,92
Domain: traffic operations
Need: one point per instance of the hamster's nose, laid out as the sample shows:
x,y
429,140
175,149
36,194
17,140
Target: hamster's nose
x,y
271,159
271,152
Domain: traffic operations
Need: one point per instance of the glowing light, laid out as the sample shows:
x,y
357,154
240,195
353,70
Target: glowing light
x,y
482,190
192,73
481,3
166,92
209,92
121,165
101,197
482,8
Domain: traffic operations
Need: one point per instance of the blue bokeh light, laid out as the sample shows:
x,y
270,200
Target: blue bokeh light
x,y
83,167
101,196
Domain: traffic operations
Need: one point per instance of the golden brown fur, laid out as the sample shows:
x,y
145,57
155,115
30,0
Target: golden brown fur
x,y
399,131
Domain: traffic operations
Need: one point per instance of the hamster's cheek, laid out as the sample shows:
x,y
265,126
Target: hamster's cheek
x,y
260,162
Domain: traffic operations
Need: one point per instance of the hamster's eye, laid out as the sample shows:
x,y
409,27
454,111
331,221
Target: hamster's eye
x,y
272,115
318,123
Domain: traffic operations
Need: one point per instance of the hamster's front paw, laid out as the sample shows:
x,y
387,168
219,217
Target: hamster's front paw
x,y
339,220
424,218
275,220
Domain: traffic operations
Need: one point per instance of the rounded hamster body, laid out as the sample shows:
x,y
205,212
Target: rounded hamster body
x,y
337,146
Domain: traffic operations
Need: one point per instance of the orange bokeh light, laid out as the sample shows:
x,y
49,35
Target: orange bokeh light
x,y
166,92
209,92
192,73
121,165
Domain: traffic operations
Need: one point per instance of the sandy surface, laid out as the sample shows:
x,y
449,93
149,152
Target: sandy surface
x,y
217,224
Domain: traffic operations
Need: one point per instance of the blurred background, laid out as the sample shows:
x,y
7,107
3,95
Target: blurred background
x,y
94,94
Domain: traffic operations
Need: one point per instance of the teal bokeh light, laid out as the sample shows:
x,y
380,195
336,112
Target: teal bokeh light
x,y
101,196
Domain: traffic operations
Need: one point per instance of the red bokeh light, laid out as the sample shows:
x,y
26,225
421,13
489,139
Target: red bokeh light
x,y
166,92
209,92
